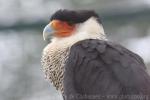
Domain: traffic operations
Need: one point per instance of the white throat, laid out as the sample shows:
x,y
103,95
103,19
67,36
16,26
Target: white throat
x,y
90,29
56,53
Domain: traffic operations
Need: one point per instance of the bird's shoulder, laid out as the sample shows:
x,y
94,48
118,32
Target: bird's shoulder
x,y
111,58
96,65
107,51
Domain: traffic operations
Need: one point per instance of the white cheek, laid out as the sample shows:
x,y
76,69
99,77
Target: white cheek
x,y
90,29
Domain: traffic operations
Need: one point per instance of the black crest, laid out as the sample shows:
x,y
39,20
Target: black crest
x,y
74,17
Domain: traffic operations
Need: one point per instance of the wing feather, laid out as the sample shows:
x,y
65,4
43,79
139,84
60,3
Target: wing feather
x,y
100,68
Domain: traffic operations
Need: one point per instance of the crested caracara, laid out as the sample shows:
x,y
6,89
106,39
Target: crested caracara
x,y
81,63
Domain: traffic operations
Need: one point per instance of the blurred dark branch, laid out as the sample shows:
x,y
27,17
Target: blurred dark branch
x,y
106,17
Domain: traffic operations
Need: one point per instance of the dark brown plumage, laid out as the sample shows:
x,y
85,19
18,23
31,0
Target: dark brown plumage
x,y
74,17
105,71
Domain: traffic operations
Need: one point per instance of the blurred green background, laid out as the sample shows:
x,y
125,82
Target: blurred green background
x,y
21,23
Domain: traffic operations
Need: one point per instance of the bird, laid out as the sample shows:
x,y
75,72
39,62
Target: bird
x,y
83,64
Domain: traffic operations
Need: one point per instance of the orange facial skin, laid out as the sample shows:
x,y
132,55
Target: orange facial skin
x,y
63,29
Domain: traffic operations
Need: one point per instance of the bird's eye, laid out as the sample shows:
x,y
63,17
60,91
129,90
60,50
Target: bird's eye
x,y
70,23
56,24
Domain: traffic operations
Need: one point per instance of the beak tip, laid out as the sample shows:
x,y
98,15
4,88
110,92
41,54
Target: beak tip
x,y
44,38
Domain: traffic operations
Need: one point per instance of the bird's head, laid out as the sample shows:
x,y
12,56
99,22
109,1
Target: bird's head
x,y
66,23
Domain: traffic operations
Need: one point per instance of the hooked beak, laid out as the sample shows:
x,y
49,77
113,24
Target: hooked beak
x,y
48,32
